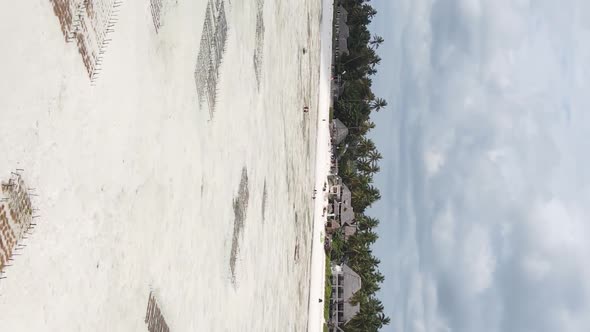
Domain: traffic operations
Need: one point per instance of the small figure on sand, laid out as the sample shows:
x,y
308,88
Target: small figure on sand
x,y
305,109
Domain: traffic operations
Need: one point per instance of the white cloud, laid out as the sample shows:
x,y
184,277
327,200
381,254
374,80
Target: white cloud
x,y
443,238
493,173
433,161
478,263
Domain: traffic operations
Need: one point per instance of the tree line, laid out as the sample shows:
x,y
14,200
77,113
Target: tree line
x,y
359,161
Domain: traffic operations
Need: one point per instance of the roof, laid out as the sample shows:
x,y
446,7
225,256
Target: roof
x,y
339,131
350,285
352,281
335,165
343,31
339,89
342,14
346,214
334,225
334,179
343,45
346,195
346,210
349,231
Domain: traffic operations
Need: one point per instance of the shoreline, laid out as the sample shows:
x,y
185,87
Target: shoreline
x,y
322,168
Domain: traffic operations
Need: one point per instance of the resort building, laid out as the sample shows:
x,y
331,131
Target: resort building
x,y
342,32
345,283
333,162
343,207
337,87
332,225
349,230
340,210
339,131
335,183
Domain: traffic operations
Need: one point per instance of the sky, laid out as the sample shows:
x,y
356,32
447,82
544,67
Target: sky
x,y
486,174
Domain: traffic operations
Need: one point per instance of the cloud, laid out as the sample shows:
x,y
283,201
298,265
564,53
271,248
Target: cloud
x,y
492,181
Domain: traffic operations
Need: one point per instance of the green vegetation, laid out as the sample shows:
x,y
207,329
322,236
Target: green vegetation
x,y
337,252
328,291
360,161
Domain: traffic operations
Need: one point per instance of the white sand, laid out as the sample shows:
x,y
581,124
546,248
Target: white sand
x,y
136,183
318,256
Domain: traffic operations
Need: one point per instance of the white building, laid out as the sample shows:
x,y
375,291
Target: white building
x,y
345,283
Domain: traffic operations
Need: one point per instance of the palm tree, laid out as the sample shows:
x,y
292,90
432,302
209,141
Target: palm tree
x,y
376,41
367,223
378,104
375,156
375,60
370,11
366,145
364,127
369,237
363,166
383,319
373,168
373,193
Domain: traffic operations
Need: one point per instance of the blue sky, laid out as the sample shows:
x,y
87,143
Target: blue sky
x,y
486,172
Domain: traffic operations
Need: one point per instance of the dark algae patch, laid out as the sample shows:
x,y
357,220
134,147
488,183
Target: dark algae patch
x,y
264,198
240,206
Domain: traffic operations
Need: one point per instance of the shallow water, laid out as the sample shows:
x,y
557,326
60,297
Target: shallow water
x,y
137,179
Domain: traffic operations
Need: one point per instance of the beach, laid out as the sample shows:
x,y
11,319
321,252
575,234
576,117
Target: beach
x,y
322,169
169,155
